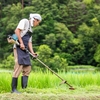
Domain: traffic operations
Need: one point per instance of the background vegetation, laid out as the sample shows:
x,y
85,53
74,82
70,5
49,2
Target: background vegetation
x,y
67,40
68,35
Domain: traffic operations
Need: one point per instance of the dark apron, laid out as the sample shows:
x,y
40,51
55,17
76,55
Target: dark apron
x,y
23,56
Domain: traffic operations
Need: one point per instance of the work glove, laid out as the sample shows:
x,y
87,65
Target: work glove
x,y
35,55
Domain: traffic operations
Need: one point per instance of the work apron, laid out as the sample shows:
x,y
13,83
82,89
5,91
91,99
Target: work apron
x,y
23,56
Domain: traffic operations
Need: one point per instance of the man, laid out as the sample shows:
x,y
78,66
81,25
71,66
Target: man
x,y
22,58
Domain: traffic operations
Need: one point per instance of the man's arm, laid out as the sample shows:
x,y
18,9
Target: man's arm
x,y
31,49
18,32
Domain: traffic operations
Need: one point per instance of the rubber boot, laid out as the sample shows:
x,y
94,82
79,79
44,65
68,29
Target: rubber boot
x,y
14,85
24,81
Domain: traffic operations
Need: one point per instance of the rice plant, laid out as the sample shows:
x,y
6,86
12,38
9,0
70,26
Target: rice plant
x,y
46,79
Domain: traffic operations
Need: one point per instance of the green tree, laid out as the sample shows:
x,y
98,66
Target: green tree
x,y
97,55
8,62
69,27
77,14
89,37
44,52
57,63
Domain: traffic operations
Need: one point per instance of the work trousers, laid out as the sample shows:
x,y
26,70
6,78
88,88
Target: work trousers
x,y
20,68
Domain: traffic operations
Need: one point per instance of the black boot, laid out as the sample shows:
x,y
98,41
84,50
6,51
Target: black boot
x,y
24,81
14,85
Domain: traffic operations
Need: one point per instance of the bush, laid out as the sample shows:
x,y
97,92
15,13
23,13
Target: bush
x,y
8,62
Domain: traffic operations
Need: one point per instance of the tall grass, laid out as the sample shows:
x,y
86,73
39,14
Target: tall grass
x,y
48,80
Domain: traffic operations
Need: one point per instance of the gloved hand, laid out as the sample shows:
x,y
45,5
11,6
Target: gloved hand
x,y
35,55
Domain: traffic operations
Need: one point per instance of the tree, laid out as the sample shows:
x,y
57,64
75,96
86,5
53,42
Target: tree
x,y
89,37
97,55
77,12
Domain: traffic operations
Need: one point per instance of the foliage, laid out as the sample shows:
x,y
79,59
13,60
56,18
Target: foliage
x,y
69,28
8,62
97,55
77,14
57,63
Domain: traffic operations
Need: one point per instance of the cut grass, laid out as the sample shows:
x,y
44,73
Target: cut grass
x,y
61,93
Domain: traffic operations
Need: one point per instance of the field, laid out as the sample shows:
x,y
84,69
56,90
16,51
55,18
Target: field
x,y
46,86
54,94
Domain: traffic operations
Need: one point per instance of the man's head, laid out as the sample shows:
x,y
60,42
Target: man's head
x,y
35,19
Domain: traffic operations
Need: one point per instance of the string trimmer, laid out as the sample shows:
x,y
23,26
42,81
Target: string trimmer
x,y
14,40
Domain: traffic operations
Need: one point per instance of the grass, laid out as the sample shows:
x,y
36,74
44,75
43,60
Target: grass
x,y
48,80
60,93
45,86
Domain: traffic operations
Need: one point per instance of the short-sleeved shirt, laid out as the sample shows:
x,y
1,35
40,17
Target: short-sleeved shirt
x,y
24,25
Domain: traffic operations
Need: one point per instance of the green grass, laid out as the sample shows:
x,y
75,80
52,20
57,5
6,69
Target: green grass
x,y
58,93
42,80
45,86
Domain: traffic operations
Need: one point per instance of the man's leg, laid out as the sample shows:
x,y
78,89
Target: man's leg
x,y
16,72
25,73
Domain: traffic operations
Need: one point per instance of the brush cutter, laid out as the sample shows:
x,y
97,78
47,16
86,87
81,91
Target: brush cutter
x,y
14,39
